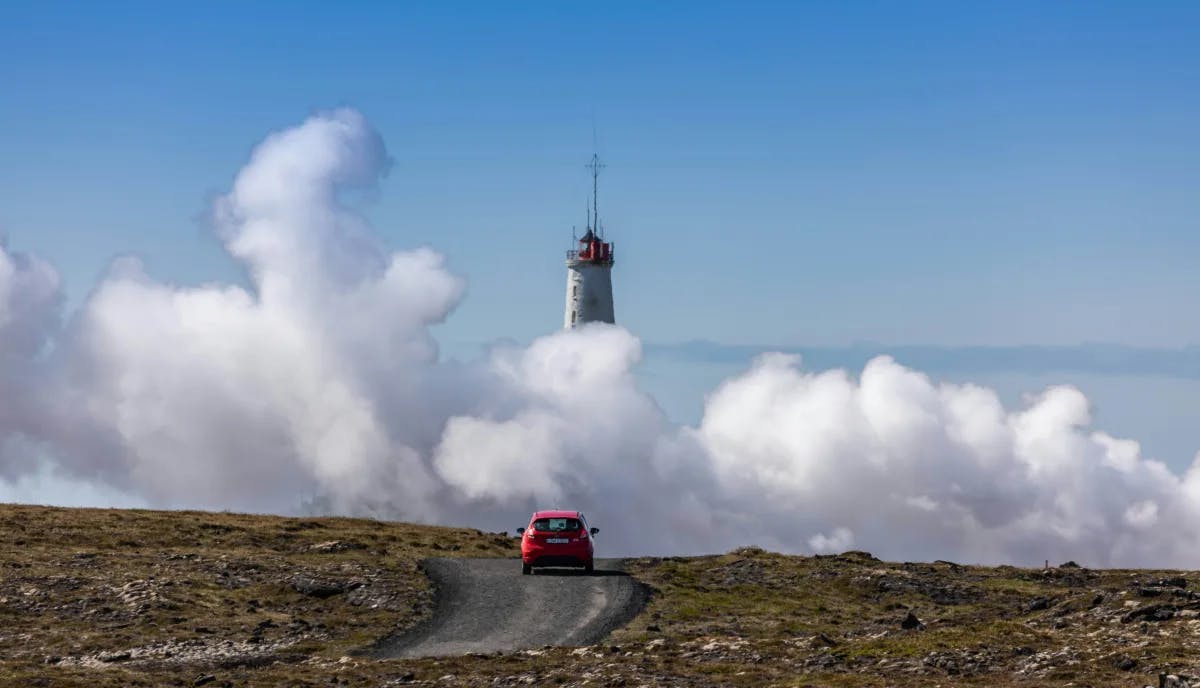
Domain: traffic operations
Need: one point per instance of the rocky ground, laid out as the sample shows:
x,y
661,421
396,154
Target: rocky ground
x,y
99,598
113,597
854,620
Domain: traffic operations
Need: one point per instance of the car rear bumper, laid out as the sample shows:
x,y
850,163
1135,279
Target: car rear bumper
x,y
559,560
572,554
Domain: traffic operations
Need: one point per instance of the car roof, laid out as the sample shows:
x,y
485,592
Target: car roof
x,y
555,514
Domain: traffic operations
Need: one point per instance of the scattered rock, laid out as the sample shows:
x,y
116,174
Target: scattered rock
x,y
1151,612
321,588
920,580
141,594
1039,604
1041,663
336,546
823,662
194,652
960,662
824,640
744,572
203,679
1125,663
911,622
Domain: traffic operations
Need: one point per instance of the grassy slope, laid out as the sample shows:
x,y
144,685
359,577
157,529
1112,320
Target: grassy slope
x,y
214,588
97,597
754,618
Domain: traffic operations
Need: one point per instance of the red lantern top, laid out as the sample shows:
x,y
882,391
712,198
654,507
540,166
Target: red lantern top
x,y
592,249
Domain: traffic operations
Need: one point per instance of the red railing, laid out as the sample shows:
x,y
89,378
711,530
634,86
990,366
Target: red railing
x,y
587,255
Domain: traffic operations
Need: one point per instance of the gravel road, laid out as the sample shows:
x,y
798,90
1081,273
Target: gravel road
x,y
485,605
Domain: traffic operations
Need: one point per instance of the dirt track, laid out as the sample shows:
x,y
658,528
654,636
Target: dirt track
x,y
486,605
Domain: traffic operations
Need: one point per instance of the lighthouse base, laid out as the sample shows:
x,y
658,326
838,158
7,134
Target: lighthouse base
x,y
589,293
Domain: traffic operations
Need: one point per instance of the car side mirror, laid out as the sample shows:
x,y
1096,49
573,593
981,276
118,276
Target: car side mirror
x,y
595,530
520,531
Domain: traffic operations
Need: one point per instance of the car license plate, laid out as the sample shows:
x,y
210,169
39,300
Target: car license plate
x,y
557,541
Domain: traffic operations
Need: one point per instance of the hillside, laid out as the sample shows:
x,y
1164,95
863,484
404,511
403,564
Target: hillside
x,y
115,598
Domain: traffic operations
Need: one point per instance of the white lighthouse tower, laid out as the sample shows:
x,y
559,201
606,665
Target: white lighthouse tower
x,y
589,269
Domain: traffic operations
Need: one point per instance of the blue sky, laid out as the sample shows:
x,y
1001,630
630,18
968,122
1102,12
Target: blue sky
x,y
779,173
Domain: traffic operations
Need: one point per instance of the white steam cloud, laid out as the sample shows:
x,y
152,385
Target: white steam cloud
x,y
321,387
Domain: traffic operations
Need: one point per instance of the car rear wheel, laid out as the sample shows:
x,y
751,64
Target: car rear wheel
x,y
526,569
588,567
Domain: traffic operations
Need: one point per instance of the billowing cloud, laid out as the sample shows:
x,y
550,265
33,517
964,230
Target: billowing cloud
x,y
319,386
254,397
30,299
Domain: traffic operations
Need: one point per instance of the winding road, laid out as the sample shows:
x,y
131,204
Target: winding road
x,y
486,605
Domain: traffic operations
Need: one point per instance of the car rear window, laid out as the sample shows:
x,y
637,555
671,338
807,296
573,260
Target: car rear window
x,y
556,525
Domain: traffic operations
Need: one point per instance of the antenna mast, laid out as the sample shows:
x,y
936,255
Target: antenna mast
x,y
595,166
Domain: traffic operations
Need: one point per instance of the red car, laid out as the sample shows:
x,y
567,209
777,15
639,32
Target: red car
x,y
556,538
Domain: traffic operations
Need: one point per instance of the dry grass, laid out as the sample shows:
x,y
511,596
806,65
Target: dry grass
x,y
115,598
758,618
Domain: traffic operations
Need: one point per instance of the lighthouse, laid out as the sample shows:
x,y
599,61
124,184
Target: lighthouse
x,y
589,268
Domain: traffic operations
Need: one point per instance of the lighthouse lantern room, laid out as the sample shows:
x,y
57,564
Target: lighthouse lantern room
x,y
589,269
